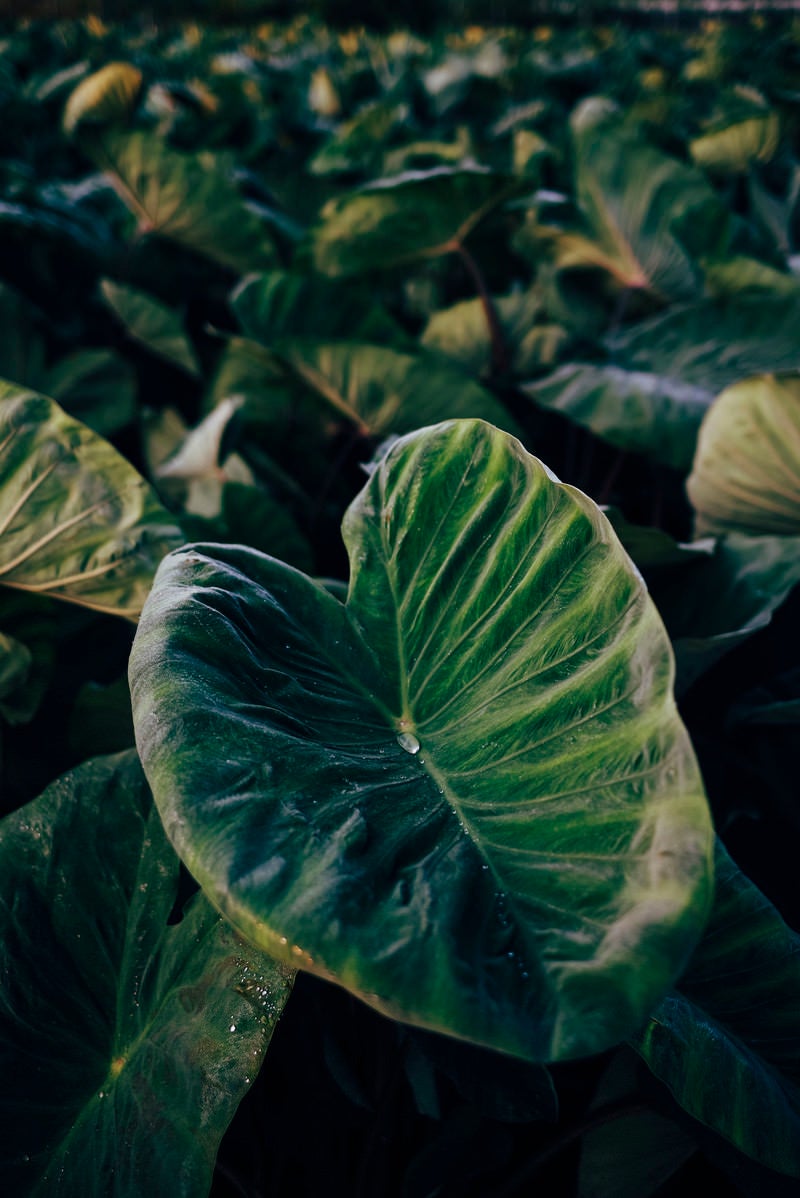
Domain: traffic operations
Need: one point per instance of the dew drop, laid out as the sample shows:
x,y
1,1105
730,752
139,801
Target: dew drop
x,y
232,1028
407,741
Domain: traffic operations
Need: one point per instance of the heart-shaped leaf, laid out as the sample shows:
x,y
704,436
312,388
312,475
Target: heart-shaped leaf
x,y
636,201
746,474
465,794
130,1042
727,1041
184,197
76,520
419,214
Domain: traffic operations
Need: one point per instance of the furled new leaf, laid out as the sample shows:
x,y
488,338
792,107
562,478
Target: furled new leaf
x,y
727,1041
76,520
746,474
465,793
419,214
130,1042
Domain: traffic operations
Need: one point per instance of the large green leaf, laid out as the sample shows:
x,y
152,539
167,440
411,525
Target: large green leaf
x,y
727,1041
666,372
637,202
465,794
746,474
76,520
283,303
130,1042
652,414
419,214
187,198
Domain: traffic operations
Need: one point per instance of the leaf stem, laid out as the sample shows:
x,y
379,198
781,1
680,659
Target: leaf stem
x,y
499,349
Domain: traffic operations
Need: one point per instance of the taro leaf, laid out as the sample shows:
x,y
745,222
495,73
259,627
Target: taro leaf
x,y
636,201
187,198
130,1042
419,214
283,303
727,1041
107,96
152,324
381,390
648,413
746,474
668,370
76,520
462,333
358,143
718,600
418,154
715,343
749,135
740,273
95,386
399,799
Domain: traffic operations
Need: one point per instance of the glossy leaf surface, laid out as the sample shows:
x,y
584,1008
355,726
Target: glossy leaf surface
x,y
130,1041
465,794
76,520
727,1041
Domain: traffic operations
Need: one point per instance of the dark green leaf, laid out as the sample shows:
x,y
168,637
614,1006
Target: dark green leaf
x,y
95,386
152,324
400,797
130,1042
727,1041
280,304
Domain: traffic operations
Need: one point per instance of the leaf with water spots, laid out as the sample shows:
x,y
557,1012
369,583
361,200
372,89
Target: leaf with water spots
x,y
465,793
130,1039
